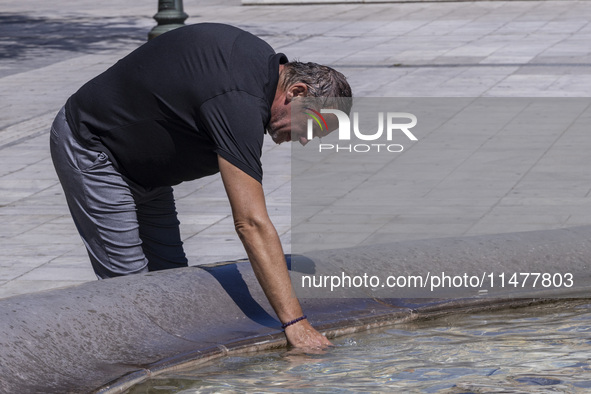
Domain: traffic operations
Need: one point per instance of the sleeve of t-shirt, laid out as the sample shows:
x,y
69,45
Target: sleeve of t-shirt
x,y
235,121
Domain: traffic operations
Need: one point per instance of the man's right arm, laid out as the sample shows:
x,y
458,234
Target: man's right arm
x,y
265,253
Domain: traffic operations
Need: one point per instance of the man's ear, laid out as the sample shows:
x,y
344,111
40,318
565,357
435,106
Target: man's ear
x,y
298,89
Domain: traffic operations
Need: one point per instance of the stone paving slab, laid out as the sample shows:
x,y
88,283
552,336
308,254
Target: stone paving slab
x,y
444,49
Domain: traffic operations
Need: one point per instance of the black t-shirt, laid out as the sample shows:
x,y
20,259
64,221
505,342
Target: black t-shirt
x,y
165,111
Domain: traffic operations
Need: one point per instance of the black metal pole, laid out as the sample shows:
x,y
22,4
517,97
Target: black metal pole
x,y
170,16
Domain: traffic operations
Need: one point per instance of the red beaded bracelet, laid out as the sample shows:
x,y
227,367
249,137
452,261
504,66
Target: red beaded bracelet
x,y
294,321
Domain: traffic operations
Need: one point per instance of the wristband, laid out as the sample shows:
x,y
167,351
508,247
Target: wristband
x,y
294,321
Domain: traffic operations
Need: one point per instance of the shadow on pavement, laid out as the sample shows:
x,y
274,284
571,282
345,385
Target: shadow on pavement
x,y
23,37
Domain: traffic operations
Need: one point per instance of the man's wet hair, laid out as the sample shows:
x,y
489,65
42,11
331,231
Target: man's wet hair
x,y
322,82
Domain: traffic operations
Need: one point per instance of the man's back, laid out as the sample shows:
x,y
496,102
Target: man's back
x,y
164,112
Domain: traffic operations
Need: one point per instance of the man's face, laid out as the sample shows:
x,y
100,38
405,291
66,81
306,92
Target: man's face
x,y
289,120
301,116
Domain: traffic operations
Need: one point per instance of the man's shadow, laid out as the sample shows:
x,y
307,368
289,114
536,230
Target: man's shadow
x,y
230,278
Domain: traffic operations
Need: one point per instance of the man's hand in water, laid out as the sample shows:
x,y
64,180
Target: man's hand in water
x,y
303,335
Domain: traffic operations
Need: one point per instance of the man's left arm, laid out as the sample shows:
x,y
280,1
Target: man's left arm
x,y
263,247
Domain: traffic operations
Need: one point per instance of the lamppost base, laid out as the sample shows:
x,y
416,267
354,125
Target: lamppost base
x,y
169,17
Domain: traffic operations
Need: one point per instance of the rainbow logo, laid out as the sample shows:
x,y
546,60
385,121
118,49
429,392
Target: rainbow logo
x,y
318,118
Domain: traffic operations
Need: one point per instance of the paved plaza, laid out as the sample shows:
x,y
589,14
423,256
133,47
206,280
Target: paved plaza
x,y
426,49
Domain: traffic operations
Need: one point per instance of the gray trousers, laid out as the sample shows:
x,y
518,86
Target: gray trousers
x,y
126,227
